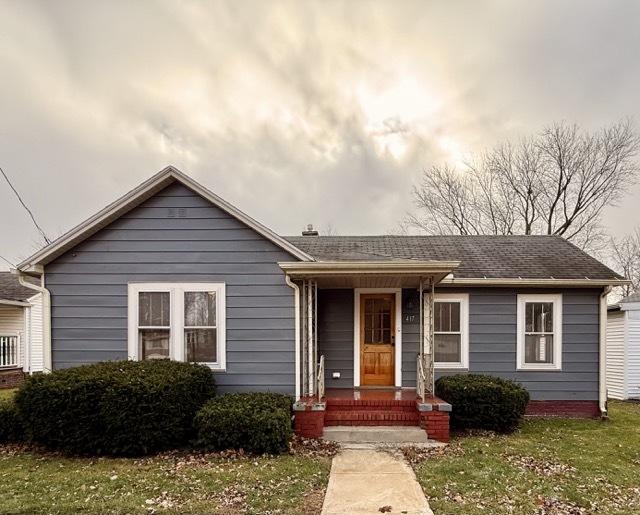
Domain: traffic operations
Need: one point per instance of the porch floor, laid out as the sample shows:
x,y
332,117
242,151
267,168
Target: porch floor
x,y
371,394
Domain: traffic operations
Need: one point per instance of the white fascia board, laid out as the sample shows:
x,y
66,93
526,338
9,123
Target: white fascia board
x,y
583,283
413,267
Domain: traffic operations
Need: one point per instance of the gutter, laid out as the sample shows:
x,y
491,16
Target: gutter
x,y
520,281
602,353
46,316
20,303
296,311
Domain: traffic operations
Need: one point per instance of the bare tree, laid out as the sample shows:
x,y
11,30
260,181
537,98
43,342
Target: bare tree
x,y
556,182
625,259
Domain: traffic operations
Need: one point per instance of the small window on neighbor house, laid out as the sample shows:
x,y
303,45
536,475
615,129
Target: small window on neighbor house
x,y
179,321
451,334
539,332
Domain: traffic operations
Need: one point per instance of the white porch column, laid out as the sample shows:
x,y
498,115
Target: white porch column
x,y
428,347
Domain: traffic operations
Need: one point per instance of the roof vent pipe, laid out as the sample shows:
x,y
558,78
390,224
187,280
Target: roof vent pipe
x,y
310,231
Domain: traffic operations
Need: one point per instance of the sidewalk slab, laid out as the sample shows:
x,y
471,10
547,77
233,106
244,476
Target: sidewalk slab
x,y
364,480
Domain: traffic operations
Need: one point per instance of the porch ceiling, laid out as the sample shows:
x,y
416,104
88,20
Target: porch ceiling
x,y
354,274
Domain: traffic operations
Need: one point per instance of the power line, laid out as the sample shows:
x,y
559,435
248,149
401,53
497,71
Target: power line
x,y
5,259
33,218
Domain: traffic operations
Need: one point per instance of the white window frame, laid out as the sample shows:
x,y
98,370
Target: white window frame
x,y
176,318
463,300
556,300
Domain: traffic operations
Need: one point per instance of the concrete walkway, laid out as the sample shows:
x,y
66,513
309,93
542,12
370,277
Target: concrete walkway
x,y
370,481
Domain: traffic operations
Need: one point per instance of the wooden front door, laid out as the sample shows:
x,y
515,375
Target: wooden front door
x,y
377,339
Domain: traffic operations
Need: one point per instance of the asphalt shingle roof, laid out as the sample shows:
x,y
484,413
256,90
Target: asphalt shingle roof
x,y
530,257
634,297
11,289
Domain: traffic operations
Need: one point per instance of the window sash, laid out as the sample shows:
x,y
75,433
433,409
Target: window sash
x,y
462,300
552,329
177,327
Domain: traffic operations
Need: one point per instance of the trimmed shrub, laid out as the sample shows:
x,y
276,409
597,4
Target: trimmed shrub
x,y
10,424
483,402
256,422
116,408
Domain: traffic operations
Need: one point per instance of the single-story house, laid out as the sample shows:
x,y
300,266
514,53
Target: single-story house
x,y
623,348
171,270
20,330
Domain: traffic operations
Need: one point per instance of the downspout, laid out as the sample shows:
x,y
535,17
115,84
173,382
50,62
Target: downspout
x,y
602,369
296,290
46,317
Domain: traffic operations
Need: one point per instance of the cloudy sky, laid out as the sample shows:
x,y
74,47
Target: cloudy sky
x,y
297,112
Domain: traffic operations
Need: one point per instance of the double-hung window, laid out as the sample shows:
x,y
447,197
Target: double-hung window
x,y
451,330
539,332
179,321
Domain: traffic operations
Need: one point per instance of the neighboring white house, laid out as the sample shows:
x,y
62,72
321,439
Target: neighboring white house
x,y
21,349
623,348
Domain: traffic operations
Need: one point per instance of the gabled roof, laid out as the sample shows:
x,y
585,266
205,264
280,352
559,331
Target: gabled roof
x,y
11,290
134,198
480,257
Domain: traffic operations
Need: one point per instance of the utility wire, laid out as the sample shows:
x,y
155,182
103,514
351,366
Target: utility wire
x,y
5,259
33,218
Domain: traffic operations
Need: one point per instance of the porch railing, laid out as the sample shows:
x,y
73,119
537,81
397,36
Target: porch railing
x,y
422,378
9,346
320,379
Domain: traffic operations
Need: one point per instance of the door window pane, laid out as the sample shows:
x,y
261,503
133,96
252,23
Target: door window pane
x,y
447,348
200,308
153,309
154,343
201,345
377,320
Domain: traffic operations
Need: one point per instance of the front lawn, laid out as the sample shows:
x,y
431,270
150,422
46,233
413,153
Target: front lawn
x,y
172,483
549,466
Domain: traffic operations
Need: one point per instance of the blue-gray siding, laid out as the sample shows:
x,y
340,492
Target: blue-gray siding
x,y
177,236
492,341
335,336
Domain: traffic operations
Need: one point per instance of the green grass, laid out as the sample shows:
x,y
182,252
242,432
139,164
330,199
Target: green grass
x,y
7,393
35,483
555,464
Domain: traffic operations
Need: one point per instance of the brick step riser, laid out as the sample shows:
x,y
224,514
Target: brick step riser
x,y
409,418
390,423
364,409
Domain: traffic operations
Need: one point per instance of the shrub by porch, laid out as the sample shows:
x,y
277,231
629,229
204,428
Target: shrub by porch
x,y
115,408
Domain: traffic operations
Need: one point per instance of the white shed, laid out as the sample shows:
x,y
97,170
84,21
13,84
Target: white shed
x,y
623,349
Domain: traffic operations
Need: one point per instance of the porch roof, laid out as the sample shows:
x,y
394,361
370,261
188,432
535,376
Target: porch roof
x,y
367,274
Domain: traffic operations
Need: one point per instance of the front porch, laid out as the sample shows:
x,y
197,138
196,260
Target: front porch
x,y
372,407
366,330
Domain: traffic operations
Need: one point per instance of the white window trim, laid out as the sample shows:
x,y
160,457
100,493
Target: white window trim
x,y
176,318
356,332
463,299
556,299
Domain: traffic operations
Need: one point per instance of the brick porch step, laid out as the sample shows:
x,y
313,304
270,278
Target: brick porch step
x,y
370,417
375,405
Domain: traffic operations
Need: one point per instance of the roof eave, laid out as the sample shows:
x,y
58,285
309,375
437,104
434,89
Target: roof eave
x,y
523,281
323,268
135,197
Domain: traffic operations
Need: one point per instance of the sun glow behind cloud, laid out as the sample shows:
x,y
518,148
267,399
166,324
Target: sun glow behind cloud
x,y
394,110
